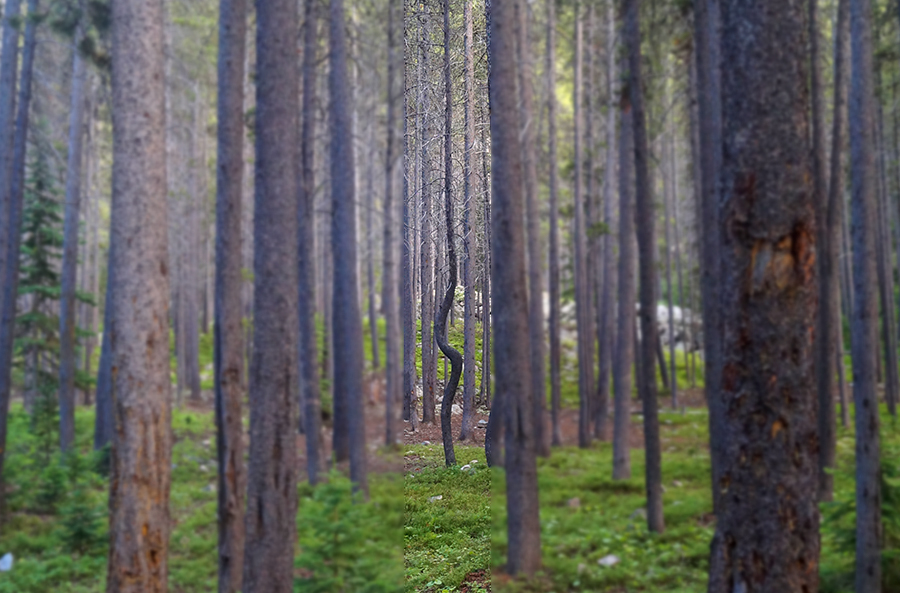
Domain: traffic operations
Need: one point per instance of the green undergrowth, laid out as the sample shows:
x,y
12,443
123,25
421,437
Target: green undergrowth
x,y
446,538
57,527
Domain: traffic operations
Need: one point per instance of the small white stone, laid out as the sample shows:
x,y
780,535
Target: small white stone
x,y
6,563
426,442
608,561
474,461
436,498
465,468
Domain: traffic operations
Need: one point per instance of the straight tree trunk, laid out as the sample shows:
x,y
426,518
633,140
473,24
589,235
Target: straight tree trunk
x,y
647,260
370,249
272,475
555,343
347,321
468,247
669,197
67,322
607,335
13,243
511,303
829,320
228,352
768,528
582,292
310,390
864,324
408,254
9,63
103,420
625,355
389,274
142,441
429,368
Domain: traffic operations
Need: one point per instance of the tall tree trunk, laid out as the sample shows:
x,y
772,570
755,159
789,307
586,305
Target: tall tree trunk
x,y
408,252
429,368
468,247
11,247
625,354
310,390
272,476
863,328
347,319
647,260
228,352
9,63
768,527
142,441
67,320
440,320
582,292
511,302
555,343
669,197
370,247
829,220
606,337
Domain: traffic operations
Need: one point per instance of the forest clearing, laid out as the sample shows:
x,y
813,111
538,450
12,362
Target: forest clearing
x,y
449,296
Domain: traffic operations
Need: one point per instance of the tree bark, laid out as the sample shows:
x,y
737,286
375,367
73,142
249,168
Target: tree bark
x,y
511,297
347,320
864,324
768,528
142,441
429,368
228,331
272,476
647,260
9,63
408,254
553,182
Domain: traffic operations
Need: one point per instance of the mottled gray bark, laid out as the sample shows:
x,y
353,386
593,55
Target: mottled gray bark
x,y
228,350
864,323
11,247
768,528
9,64
510,301
553,182
142,441
624,355
408,266
669,197
272,466
429,368
647,260
468,247
347,321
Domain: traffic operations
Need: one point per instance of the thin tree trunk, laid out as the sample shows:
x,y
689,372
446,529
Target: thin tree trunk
x,y
768,528
9,63
228,331
429,368
347,319
669,196
625,354
555,344
647,260
468,248
408,253
142,447
370,247
511,302
272,474
11,246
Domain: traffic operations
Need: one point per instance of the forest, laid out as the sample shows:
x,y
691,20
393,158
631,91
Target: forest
x,y
449,296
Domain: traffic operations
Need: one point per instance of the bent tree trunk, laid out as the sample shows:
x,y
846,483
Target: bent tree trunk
x,y
768,528
440,320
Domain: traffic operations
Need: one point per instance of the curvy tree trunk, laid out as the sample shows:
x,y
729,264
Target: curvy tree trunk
x,y
310,390
555,343
228,352
440,320
625,354
864,324
511,298
769,528
12,245
272,475
468,248
647,259
828,342
142,441
347,321
606,337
